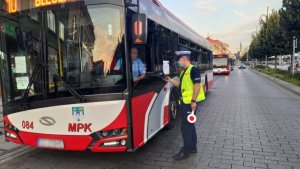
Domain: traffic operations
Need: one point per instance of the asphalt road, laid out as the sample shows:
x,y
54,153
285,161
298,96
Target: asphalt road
x,y
246,122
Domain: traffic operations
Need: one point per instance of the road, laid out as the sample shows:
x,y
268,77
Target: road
x,y
246,122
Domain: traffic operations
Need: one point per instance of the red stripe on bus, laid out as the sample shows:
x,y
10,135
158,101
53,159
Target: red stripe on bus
x,y
6,120
140,105
119,122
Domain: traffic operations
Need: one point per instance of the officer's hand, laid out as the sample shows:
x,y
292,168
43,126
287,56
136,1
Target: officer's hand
x,y
194,106
167,79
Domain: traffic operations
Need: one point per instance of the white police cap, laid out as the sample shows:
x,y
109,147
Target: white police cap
x,y
183,53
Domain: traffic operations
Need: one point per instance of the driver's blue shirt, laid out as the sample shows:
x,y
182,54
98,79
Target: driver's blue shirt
x,y
138,67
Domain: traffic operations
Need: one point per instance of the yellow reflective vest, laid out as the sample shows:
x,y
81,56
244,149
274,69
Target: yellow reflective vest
x,y
187,87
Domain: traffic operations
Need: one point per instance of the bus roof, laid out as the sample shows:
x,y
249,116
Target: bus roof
x,y
158,13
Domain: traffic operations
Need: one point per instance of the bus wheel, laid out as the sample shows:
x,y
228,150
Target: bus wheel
x,y
173,110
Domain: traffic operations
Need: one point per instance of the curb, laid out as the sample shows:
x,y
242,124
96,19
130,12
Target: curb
x,y
291,87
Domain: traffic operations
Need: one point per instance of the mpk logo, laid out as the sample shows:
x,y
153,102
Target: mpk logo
x,y
78,113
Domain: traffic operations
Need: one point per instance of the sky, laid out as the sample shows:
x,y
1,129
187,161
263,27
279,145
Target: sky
x,y
231,21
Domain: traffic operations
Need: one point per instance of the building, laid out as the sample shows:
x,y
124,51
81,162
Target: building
x,y
220,48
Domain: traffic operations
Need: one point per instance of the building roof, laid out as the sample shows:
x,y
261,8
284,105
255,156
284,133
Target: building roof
x,y
220,48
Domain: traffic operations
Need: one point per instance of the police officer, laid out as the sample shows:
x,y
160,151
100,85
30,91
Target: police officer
x,y
191,94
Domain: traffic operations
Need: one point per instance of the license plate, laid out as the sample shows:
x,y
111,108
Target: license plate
x,y
51,143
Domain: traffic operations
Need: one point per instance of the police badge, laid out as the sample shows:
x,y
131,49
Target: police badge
x,y
78,113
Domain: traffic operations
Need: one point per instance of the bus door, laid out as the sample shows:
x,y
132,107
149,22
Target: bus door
x,y
149,97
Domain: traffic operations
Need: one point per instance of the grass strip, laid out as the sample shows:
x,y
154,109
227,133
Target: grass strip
x,y
280,74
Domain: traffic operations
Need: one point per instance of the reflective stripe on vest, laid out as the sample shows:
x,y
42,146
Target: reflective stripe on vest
x,y
187,87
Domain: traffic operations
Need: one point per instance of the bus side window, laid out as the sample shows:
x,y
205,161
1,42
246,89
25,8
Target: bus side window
x,y
166,47
194,58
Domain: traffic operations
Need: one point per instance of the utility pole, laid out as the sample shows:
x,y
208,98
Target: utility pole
x,y
266,61
267,18
295,40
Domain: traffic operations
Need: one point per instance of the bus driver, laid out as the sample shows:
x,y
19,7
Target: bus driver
x,y
138,67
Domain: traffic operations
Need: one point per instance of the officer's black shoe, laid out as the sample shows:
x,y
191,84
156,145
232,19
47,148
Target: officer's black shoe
x,y
180,156
194,151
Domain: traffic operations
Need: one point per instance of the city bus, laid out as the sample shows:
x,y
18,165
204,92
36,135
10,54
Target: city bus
x,y
60,88
222,64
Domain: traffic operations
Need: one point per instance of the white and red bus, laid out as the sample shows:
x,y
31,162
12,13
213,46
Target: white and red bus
x,y
59,86
222,64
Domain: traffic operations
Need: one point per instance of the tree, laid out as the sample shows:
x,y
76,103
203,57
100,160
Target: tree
x,y
275,39
276,32
256,47
290,21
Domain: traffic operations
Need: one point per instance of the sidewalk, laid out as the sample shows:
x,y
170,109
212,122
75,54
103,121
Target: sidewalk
x,y
7,150
291,87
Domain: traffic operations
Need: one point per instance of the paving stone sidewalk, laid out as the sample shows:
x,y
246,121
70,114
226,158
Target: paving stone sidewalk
x,y
247,122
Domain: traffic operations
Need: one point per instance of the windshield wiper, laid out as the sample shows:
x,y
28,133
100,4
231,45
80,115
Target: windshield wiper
x,y
41,66
35,76
66,85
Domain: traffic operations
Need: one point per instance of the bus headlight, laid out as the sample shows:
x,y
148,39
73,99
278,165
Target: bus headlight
x,y
113,133
123,142
105,133
116,132
112,143
11,135
10,127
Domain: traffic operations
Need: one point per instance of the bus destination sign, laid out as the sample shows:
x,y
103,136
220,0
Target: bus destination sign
x,y
13,6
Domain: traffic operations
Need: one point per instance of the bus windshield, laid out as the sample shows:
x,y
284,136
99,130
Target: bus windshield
x,y
220,62
79,43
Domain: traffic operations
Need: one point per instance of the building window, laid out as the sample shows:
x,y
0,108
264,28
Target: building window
x,y
61,31
51,20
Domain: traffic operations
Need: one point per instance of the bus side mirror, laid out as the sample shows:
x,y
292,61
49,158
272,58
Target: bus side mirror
x,y
139,29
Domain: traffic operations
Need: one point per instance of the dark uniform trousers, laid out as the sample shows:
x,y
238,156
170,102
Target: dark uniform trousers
x,y
188,130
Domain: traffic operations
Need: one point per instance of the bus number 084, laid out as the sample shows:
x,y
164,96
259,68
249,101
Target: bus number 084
x,y
27,125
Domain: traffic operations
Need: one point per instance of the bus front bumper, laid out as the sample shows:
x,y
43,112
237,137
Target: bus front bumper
x,y
220,72
65,142
69,143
